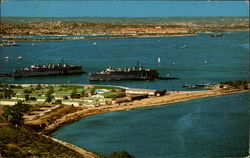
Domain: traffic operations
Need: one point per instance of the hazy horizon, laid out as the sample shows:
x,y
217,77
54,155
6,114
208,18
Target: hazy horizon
x,y
128,20
123,8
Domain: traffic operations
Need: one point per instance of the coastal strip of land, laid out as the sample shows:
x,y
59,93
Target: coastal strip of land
x,y
172,97
72,29
45,117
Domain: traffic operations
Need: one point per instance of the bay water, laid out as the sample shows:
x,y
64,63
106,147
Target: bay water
x,y
204,59
211,127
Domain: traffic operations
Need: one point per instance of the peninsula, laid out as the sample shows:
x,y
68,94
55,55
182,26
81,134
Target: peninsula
x,y
45,108
20,29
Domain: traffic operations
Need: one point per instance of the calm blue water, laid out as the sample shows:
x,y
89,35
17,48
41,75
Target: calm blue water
x,y
227,59
211,127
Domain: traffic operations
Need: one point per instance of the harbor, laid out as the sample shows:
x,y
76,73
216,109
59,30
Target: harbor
x,y
96,58
124,79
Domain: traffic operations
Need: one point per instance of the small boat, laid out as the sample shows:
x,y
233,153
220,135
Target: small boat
x,y
19,58
183,46
189,86
205,62
8,44
94,43
186,86
7,58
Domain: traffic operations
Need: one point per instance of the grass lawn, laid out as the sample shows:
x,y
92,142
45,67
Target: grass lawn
x,y
106,87
113,94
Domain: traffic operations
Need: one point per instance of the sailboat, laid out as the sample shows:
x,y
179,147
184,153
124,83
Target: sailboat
x,y
173,63
159,60
183,46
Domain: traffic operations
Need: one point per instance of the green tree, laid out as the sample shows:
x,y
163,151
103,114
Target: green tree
x,y
8,93
49,95
92,91
122,154
65,97
27,91
58,101
38,87
15,113
51,90
84,93
32,98
26,96
74,94
49,98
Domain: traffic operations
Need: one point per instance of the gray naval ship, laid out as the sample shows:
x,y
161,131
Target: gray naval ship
x,y
114,74
45,70
135,73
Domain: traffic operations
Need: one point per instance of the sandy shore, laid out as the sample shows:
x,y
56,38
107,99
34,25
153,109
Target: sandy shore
x,y
172,97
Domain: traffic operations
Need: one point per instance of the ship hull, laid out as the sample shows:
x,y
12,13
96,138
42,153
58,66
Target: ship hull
x,y
148,75
38,73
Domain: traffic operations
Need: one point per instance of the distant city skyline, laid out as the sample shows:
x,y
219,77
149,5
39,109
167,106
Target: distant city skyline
x,y
123,8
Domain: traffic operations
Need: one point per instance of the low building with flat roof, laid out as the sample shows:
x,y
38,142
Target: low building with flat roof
x,y
150,92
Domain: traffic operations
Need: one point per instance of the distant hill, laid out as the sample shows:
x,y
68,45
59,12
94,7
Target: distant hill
x,y
154,20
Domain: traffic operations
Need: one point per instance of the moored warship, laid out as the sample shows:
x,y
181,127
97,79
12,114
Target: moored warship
x,y
45,70
135,73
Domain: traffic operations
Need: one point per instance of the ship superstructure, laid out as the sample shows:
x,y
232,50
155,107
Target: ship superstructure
x,y
46,70
134,73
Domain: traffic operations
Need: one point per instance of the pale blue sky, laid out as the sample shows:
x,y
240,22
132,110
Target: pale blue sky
x,y
123,8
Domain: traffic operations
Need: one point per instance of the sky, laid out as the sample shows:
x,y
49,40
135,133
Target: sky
x,y
74,8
